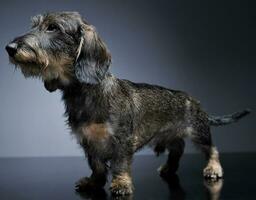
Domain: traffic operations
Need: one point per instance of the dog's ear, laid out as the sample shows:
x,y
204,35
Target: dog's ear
x,y
93,58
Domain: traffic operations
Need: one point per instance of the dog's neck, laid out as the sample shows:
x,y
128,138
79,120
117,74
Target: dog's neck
x,y
88,100
104,87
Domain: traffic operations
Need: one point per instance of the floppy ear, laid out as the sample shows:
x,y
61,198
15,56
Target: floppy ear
x,y
93,58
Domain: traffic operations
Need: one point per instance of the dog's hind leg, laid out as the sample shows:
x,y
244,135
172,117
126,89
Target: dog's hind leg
x,y
176,149
201,137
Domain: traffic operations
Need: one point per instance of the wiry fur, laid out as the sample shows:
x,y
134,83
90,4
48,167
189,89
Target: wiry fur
x,y
111,118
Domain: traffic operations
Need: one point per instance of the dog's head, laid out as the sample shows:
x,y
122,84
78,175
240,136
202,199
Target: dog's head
x,y
60,48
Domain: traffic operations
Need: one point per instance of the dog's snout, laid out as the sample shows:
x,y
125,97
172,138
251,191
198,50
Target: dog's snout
x,y
11,49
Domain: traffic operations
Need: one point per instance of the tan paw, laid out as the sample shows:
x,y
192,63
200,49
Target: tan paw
x,y
213,171
121,185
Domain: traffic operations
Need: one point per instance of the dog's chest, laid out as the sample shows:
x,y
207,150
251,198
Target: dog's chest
x,y
88,118
96,132
95,137
86,111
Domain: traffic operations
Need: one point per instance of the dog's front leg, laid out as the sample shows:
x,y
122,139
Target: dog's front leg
x,y
121,171
98,177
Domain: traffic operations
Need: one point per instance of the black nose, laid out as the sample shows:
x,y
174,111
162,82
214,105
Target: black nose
x,y
11,49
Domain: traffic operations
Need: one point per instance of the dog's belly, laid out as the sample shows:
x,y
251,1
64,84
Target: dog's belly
x,y
164,133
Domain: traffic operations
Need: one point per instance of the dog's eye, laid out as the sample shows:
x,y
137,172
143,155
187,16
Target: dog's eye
x,y
52,28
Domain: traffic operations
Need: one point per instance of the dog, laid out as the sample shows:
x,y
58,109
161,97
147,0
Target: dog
x,y
110,117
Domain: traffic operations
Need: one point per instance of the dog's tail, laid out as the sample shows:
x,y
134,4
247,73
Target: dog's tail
x,y
227,119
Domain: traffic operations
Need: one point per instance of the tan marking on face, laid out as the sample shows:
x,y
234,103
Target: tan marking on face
x,y
42,58
25,56
95,131
45,65
58,69
30,63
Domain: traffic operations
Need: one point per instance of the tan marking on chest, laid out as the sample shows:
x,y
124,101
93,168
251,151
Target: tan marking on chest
x,y
95,131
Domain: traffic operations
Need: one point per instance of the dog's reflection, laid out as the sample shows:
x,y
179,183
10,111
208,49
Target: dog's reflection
x,y
176,191
101,194
213,190
93,194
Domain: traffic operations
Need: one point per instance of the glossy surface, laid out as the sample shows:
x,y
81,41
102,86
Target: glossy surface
x,y
54,178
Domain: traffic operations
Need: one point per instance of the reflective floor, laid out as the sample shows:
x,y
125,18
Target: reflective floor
x,y
54,178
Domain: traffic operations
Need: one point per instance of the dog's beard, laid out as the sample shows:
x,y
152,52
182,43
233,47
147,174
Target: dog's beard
x,y
28,69
26,60
43,66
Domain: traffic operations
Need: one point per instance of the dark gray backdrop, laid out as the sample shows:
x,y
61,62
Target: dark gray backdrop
x,y
202,47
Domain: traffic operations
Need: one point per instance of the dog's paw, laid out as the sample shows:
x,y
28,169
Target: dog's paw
x,y
121,185
121,190
86,183
213,171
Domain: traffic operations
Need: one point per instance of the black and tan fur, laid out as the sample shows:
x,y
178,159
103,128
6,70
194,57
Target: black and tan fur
x,y
112,118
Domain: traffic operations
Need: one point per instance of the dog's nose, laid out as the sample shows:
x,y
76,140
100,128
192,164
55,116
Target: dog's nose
x,y
11,49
